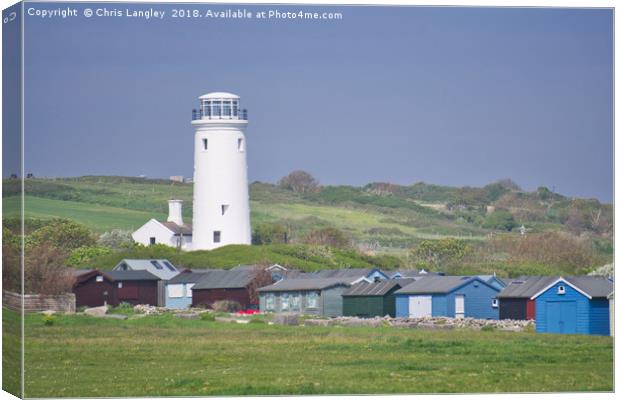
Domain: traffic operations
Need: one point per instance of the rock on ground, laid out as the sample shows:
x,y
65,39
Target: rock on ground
x,y
96,311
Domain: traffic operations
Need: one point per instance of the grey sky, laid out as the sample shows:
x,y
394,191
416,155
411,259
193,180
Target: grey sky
x,y
457,96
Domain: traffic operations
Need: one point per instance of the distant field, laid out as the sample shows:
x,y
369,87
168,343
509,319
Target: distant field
x,y
97,217
164,356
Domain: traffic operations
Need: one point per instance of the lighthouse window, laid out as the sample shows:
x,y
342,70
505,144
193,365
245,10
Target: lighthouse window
x,y
240,144
227,108
224,208
217,236
235,107
205,144
217,108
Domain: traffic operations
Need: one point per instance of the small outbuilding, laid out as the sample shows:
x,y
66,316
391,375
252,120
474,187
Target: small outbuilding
x,y
320,296
368,300
96,288
448,296
574,305
611,313
238,284
515,300
179,289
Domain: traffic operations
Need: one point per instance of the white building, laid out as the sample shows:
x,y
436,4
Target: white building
x,y
172,232
221,203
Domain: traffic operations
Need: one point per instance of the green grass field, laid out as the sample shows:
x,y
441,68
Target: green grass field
x,y
82,356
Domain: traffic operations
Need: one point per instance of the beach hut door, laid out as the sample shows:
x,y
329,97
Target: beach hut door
x,y
420,306
459,306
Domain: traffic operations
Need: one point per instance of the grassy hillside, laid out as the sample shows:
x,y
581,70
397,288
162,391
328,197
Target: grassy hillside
x,y
380,219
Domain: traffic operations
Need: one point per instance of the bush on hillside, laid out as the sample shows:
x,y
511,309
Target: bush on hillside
x,y
116,239
331,237
299,182
84,256
437,253
63,235
500,220
266,233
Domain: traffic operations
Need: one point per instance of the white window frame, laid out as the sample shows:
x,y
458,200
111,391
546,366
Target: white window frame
x,y
295,301
495,303
561,289
312,300
285,306
175,290
120,285
188,290
270,302
99,278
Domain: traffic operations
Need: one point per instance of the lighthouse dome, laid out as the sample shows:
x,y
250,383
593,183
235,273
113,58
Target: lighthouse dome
x,y
218,95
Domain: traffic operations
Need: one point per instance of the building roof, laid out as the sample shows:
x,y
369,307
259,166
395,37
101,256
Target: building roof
x,y
161,268
286,285
142,275
219,95
376,288
595,286
438,284
526,287
225,279
185,229
532,286
411,273
78,272
193,276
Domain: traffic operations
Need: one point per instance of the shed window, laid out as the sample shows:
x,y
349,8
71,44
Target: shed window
x,y
217,236
156,264
175,291
561,289
312,300
284,302
188,289
495,303
120,285
151,240
99,278
269,302
295,302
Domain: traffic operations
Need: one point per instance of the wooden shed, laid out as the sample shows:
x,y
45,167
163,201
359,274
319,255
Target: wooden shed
x,y
320,296
448,296
368,300
179,291
611,313
136,287
515,299
574,305
96,288
236,284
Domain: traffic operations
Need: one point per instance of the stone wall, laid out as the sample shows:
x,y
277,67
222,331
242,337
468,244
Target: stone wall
x,y
429,323
35,303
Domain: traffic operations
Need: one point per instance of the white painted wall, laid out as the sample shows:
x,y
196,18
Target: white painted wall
x,y
220,178
161,234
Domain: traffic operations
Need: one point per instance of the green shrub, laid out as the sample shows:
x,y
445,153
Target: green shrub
x,y
207,316
49,320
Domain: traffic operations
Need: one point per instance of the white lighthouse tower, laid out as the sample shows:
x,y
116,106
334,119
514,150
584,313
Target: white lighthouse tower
x,y
221,202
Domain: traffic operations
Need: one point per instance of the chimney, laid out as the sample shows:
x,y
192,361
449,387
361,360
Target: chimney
x,y
175,208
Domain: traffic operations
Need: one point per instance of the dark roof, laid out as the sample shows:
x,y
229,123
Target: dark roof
x,y
595,286
140,275
436,284
376,288
343,273
192,276
286,285
526,287
225,279
185,229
